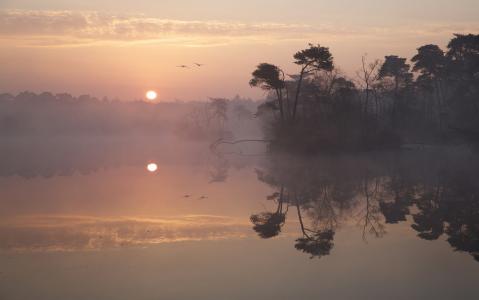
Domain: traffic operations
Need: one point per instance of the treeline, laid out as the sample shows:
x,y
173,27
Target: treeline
x,y
28,114
47,114
435,99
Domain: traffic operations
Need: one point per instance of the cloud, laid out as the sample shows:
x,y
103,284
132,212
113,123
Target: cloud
x,y
56,27
60,28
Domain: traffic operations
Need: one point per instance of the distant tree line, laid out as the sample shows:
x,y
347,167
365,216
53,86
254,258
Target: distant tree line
x,y
48,114
30,114
388,103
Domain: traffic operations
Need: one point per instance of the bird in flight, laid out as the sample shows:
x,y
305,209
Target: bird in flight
x,y
182,66
199,65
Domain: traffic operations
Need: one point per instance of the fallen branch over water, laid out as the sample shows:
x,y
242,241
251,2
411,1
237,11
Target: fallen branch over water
x,y
220,141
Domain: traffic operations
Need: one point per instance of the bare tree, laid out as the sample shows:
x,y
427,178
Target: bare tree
x,y
367,77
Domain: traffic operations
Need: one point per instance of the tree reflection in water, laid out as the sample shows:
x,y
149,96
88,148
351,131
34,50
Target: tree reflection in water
x,y
438,190
268,224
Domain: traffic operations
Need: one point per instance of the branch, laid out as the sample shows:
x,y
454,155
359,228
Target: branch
x,y
221,141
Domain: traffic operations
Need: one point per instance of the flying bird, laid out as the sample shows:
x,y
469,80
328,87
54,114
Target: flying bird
x,y
182,66
199,65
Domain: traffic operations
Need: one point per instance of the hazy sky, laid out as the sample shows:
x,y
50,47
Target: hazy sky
x,y
107,48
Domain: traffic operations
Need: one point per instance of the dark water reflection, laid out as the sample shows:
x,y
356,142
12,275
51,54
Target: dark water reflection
x,y
438,190
89,211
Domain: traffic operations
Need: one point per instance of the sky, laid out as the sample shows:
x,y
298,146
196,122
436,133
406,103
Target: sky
x,y
120,49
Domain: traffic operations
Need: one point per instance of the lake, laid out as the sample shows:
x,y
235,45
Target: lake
x,y
86,219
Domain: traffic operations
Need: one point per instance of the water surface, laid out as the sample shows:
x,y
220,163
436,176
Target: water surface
x,y
87,220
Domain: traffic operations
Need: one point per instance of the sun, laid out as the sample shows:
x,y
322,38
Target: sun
x,y
152,167
151,95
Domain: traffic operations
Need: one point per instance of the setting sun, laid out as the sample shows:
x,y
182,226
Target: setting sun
x,y
151,95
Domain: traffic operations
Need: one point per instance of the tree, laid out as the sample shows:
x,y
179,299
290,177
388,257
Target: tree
x,y
219,109
463,50
268,224
314,58
396,68
368,75
463,53
430,62
318,245
270,77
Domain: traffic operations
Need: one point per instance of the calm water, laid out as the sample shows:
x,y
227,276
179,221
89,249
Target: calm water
x,y
85,219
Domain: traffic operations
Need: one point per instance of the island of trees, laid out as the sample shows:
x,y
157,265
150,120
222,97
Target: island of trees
x,y
387,104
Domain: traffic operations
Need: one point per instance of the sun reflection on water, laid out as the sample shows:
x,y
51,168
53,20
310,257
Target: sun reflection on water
x,y
152,167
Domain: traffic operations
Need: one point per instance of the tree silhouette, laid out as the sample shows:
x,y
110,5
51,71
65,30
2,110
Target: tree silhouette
x,y
396,68
270,77
431,63
368,76
463,50
268,224
317,245
314,58
463,74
